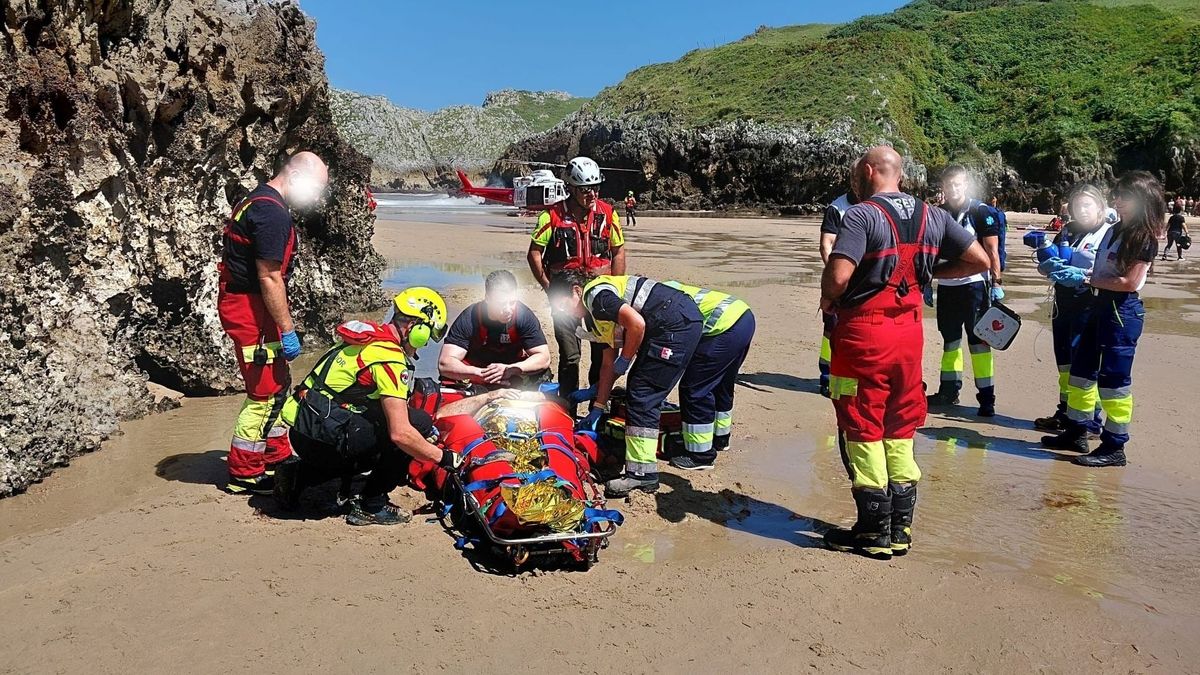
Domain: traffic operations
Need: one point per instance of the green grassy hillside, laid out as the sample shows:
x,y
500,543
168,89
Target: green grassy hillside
x,y
1037,81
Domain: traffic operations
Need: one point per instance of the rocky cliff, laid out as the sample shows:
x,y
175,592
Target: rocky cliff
x,y
415,149
734,165
128,130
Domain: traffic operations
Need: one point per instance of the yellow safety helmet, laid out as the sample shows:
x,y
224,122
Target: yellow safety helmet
x,y
427,307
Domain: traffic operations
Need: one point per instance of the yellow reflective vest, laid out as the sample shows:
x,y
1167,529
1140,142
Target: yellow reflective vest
x,y
720,310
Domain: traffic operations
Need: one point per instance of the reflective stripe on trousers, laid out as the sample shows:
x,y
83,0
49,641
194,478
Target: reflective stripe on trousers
x,y
698,437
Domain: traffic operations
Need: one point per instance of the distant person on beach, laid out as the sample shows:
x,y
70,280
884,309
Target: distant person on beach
x,y
994,202
582,233
888,248
497,342
631,209
961,301
252,301
1102,363
1176,231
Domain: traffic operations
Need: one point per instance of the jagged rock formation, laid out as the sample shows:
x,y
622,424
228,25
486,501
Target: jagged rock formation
x,y
412,148
128,128
732,165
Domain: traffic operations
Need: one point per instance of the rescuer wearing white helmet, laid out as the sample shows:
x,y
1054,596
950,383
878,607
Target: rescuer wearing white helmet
x,y
582,233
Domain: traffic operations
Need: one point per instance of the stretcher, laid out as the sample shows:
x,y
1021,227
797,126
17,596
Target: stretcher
x,y
524,493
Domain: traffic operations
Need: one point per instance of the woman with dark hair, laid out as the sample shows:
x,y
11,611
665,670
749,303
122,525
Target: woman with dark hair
x,y
1102,364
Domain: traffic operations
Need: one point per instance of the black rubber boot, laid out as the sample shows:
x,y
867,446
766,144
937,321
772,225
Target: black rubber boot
x,y
904,502
871,535
947,395
288,483
987,402
1073,439
1104,455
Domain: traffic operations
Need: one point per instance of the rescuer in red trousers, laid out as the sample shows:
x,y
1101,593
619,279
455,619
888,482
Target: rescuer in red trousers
x,y
887,250
259,255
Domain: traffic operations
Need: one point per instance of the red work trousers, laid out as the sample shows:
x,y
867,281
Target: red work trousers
x,y
259,437
875,383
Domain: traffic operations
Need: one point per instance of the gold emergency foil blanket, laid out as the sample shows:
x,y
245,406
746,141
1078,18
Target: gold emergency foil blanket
x,y
513,428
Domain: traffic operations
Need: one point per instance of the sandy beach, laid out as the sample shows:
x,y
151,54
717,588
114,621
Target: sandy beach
x,y
1022,561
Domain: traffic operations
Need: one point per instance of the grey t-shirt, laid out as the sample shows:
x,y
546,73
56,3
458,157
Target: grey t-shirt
x,y
865,239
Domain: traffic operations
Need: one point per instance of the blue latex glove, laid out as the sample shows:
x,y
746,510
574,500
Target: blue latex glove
x,y
582,395
621,366
291,345
1071,277
1051,265
997,293
928,295
591,421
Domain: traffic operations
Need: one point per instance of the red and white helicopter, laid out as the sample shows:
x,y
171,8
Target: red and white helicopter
x,y
537,191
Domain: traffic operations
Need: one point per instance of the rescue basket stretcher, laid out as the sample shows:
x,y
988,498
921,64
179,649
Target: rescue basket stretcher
x,y
525,488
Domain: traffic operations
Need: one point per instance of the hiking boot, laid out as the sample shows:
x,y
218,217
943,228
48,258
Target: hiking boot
x,y
1054,424
287,484
618,488
944,397
258,485
871,535
904,502
1104,455
376,511
1073,439
695,461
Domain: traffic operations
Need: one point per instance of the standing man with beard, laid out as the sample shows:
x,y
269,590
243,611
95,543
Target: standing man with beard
x,y
259,255
580,234
962,300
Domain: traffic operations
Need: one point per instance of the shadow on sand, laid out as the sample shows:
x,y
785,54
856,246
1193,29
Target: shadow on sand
x,y
739,512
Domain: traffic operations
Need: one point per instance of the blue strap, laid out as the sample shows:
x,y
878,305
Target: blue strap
x,y
521,478
597,516
472,445
500,509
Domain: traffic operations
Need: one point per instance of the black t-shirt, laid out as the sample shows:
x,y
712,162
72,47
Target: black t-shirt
x,y
268,224
865,230
1175,224
497,342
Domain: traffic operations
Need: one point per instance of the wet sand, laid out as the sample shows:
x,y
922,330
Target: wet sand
x,y
130,559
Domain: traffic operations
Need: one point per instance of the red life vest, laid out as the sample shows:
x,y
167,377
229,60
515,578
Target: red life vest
x,y
239,272
575,245
506,348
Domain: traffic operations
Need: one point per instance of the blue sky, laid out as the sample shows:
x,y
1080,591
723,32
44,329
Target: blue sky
x,y
432,54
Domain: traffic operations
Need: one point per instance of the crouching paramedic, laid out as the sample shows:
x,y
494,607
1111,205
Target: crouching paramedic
x,y
497,342
884,256
706,390
644,324
252,301
351,413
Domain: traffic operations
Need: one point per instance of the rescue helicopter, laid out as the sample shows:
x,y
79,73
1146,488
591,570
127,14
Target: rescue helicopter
x,y
537,191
